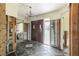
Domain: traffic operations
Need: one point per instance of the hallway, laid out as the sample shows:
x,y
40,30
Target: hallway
x,y
37,49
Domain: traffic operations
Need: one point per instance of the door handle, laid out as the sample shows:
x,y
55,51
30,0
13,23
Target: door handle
x,y
40,28
33,26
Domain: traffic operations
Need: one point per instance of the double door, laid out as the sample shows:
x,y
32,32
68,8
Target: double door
x,y
51,30
37,30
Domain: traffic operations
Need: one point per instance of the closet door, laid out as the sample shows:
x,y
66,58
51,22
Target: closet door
x,y
34,35
58,33
37,30
2,30
40,30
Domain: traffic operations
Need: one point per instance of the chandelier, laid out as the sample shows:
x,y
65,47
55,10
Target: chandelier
x,y
30,14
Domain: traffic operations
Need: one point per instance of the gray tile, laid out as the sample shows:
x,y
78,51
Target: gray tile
x,y
38,49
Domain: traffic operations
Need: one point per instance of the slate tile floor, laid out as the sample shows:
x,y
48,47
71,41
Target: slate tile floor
x,y
38,49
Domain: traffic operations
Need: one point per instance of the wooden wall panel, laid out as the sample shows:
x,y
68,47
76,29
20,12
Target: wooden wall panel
x,y
4,33
2,42
11,34
2,29
74,29
14,34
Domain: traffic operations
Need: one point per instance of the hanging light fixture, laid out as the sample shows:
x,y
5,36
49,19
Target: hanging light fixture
x,y
30,14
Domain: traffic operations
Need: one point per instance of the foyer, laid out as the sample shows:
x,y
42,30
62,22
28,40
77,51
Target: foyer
x,y
39,29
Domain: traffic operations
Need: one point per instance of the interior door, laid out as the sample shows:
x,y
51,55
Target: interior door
x,y
58,33
34,30
37,30
40,30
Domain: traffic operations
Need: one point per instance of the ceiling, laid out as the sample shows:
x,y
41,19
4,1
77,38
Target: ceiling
x,y
38,8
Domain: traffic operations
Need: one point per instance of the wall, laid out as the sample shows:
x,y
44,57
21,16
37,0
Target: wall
x,y
21,33
52,15
11,9
19,28
2,30
65,26
64,12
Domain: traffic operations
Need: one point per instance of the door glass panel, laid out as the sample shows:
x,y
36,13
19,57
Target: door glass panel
x,y
47,32
52,32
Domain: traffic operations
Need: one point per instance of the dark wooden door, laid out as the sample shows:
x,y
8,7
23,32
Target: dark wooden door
x,y
58,33
34,30
37,30
40,31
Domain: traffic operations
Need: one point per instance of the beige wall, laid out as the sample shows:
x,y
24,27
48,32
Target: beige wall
x,y
63,14
11,9
65,25
52,15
